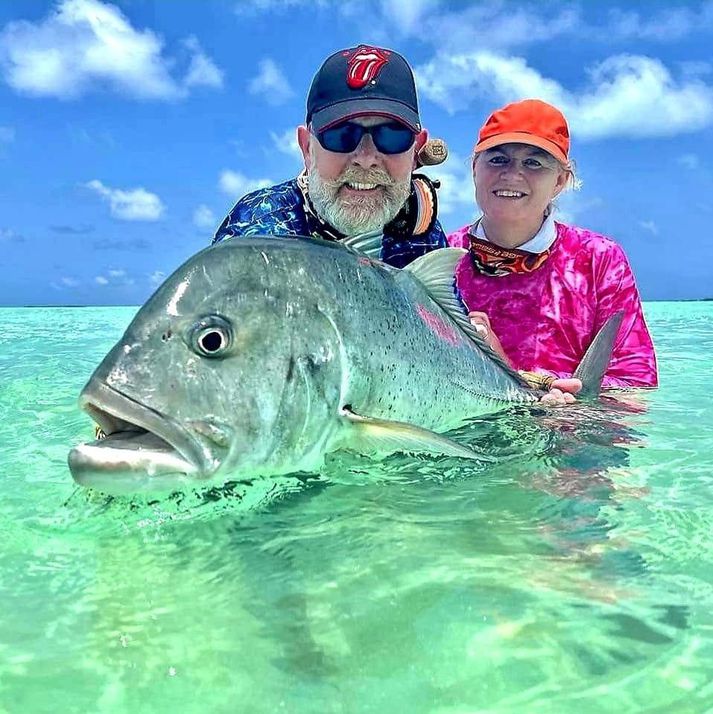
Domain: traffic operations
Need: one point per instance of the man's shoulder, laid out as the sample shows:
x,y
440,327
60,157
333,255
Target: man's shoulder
x,y
435,236
266,201
272,209
399,251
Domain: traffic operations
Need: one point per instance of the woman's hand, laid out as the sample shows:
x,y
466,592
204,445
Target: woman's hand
x,y
481,322
562,392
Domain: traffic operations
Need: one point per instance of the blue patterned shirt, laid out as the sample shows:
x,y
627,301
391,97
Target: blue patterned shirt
x,y
280,210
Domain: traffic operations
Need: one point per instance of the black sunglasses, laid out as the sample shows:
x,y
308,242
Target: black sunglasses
x,y
391,138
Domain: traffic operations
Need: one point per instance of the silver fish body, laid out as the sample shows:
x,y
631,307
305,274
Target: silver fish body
x,y
260,355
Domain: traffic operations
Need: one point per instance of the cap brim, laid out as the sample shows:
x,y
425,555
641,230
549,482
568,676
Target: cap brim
x,y
352,108
520,137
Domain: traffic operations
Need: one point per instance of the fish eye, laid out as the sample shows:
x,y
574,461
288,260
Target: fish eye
x,y
211,341
211,336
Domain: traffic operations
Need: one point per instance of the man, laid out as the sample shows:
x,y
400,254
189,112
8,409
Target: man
x,y
361,142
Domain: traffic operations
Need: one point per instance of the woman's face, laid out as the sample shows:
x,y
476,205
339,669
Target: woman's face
x,y
514,183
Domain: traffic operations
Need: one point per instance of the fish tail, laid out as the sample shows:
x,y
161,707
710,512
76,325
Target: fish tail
x,y
594,364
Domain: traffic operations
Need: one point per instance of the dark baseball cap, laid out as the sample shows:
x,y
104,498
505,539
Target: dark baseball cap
x,y
363,80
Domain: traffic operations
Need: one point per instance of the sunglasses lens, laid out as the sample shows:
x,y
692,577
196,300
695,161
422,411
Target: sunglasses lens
x,y
342,139
392,138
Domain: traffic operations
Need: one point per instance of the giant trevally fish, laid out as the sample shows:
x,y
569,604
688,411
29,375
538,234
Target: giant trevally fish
x,y
261,355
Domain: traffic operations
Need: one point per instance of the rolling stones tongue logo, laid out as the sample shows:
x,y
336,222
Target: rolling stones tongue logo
x,y
364,65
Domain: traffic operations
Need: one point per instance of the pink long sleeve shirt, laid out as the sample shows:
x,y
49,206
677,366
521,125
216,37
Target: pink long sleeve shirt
x,y
546,319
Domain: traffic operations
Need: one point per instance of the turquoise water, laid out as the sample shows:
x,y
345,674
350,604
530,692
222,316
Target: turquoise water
x,y
577,577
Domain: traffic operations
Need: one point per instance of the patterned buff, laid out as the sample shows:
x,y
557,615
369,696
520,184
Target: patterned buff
x,y
490,259
415,218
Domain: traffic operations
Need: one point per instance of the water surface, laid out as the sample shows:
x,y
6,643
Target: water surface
x,y
577,577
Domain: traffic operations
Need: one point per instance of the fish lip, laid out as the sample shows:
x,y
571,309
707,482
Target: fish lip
x,y
113,411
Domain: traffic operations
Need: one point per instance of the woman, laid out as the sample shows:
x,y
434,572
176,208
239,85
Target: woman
x,y
540,288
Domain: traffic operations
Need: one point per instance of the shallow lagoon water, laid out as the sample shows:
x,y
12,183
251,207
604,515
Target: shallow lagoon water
x,y
574,575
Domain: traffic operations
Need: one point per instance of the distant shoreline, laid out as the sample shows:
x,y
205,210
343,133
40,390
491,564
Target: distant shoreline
x,y
22,307
19,307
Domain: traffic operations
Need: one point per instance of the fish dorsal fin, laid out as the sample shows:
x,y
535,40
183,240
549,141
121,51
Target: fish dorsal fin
x,y
368,244
435,271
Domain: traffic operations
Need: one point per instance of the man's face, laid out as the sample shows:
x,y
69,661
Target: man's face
x,y
360,191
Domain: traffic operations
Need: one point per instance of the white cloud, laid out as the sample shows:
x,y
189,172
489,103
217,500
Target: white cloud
x,y
202,71
407,15
235,184
114,278
286,143
68,282
629,95
650,226
689,161
572,204
7,134
8,234
84,45
667,25
204,218
133,205
454,81
637,96
253,7
271,83
695,70
376,18
496,24
500,25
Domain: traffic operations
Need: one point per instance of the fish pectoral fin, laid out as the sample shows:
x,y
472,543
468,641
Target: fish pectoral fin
x,y
596,359
381,435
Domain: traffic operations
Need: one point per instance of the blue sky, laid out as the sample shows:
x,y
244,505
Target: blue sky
x,y
128,129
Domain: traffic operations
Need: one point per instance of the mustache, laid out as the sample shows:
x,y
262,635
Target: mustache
x,y
354,175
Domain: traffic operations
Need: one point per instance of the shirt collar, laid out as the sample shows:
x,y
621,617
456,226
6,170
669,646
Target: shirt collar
x,y
539,243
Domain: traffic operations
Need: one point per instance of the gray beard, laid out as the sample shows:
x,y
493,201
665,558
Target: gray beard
x,y
359,214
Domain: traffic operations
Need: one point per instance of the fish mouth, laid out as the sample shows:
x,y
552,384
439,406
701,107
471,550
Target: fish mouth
x,y
142,449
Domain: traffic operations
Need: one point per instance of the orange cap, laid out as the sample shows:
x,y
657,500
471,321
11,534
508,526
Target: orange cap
x,y
530,121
